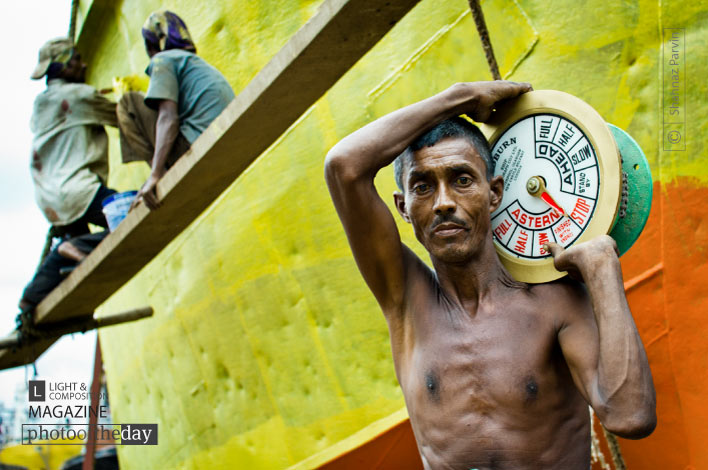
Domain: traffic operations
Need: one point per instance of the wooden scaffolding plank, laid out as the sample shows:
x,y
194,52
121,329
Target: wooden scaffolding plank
x,y
328,45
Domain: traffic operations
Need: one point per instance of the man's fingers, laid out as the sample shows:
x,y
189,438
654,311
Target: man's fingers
x,y
151,200
514,89
136,202
561,263
553,248
521,87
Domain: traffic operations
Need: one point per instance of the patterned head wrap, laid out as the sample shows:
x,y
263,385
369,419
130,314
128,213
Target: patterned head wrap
x,y
164,30
57,51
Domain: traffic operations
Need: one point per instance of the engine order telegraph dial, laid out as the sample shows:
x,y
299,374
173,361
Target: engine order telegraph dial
x,y
562,179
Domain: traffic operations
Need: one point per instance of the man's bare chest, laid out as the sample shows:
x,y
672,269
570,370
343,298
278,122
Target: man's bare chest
x,y
495,360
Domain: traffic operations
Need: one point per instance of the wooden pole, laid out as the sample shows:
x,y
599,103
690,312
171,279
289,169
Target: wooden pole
x,y
55,330
93,417
72,20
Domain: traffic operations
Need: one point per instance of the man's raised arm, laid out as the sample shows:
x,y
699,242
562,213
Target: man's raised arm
x,y
352,164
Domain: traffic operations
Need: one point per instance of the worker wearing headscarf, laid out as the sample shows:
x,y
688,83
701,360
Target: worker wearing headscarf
x,y
164,30
184,96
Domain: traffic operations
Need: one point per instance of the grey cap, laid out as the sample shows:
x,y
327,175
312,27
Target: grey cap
x,y
51,51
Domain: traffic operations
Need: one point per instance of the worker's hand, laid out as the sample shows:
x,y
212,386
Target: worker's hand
x,y
148,193
584,258
485,95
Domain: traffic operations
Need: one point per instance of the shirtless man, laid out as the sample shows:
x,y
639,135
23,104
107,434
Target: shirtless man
x,y
496,374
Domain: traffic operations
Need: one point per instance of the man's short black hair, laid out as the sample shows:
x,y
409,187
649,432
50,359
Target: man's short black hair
x,y
454,127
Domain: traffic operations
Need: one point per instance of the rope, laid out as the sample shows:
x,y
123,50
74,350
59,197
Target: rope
x,y
72,21
484,37
614,450
26,328
596,454
47,245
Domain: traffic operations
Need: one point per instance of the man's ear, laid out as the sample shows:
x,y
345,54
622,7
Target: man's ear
x,y
400,200
496,192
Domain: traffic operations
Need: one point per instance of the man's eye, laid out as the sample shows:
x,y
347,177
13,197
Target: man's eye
x,y
421,188
463,180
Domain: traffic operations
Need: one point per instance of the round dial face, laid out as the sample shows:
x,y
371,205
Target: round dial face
x,y
549,151
562,176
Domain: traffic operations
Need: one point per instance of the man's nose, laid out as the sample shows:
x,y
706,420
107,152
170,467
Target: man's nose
x,y
444,202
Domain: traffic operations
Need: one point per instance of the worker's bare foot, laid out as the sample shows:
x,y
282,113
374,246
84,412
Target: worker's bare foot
x,y
67,250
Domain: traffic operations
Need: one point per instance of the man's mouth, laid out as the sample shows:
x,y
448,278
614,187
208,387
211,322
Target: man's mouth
x,y
448,229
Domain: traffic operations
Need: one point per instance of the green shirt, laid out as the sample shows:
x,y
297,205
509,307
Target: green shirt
x,y
200,91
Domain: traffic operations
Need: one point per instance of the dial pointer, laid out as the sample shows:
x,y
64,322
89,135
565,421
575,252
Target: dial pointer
x,y
537,188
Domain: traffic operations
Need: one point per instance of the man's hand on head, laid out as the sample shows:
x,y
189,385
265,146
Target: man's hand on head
x,y
583,258
488,94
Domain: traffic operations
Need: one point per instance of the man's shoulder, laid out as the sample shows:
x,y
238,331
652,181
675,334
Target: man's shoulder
x,y
176,56
58,96
67,89
563,297
166,58
419,280
564,287
414,263
176,53
180,62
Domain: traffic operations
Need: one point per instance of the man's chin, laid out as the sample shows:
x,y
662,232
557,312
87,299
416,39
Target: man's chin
x,y
452,254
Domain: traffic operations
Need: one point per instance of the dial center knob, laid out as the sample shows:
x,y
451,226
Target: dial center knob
x,y
535,185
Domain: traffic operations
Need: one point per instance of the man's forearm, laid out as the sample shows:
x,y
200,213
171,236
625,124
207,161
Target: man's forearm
x,y
624,381
165,135
380,142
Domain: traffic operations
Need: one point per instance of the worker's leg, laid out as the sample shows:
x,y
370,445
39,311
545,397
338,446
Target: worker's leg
x,y
48,276
93,215
137,124
45,279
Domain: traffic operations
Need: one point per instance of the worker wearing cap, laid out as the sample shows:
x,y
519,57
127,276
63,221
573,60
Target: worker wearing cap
x,y
70,147
184,96
69,162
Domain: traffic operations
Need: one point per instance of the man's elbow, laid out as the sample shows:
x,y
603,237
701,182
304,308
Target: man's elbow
x,y
636,426
339,167
168,118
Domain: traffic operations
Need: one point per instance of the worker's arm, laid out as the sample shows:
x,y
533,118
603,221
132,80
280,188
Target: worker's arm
x,y
352,164
166,132
601,343
103,110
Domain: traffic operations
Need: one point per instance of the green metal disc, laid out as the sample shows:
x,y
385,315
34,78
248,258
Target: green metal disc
x,y
639,187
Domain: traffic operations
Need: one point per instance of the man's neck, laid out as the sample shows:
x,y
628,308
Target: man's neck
x,y
475,280
56,81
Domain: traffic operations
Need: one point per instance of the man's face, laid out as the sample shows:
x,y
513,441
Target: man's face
x,y
151,51
75,70
448,199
